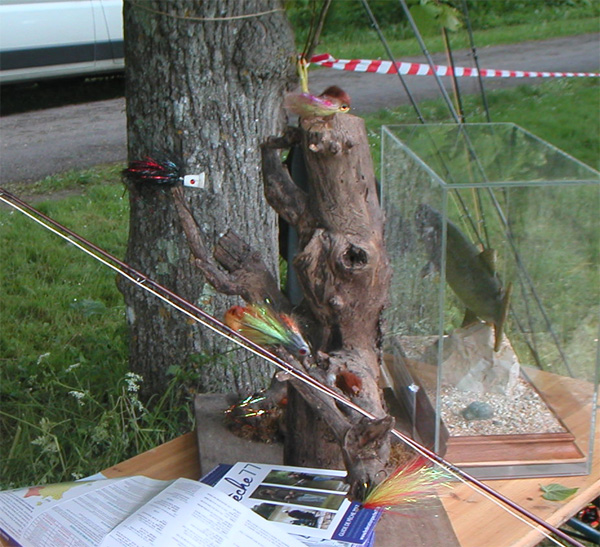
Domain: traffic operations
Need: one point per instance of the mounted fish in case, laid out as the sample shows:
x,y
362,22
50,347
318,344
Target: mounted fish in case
x,y
495,357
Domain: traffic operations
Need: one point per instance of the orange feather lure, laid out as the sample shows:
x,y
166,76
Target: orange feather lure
x,y
264,326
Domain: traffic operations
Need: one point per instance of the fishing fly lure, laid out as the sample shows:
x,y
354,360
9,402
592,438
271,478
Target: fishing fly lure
x,y
306,105
410,483
266,327
150,170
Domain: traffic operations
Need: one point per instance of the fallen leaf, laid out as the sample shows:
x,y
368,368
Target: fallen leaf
x,y
557,492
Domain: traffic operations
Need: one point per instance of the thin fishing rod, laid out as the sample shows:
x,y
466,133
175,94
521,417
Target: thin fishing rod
x,y
455,86
412,100
155,288
438,80
314,32
476,61
425,51
519,262
415,105
217,326
523,271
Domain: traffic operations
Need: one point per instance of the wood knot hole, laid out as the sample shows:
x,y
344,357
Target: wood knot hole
x,y
354,257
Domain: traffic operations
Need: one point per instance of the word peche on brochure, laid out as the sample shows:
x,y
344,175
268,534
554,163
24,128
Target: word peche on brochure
x,y
308,503
250,505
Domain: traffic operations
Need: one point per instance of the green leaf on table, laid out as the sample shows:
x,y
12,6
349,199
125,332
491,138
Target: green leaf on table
x,y
557,492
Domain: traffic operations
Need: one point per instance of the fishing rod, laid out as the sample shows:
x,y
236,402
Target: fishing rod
x,y
499,211
425,51
211,322
417,110
377,28
476,61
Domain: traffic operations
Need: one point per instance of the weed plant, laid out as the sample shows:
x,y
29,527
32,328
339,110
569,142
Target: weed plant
x,y
68,405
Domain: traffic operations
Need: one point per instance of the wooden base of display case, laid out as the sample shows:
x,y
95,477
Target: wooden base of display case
x,y
501,456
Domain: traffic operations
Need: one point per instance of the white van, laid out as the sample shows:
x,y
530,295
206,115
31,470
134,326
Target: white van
x,y
41,39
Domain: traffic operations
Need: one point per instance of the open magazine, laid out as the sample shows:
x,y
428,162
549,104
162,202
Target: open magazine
x,y
280,506
308,503
132,512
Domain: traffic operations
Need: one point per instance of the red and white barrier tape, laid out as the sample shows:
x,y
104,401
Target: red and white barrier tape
x,y
422,69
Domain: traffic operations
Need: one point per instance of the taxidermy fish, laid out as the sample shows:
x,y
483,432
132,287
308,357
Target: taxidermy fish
x,y
264,326
411,483
149,170
328,103
470,273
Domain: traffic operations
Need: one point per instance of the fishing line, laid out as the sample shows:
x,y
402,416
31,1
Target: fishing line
x,y
411,98
218,327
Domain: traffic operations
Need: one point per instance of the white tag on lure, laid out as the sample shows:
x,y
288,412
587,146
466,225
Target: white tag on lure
x,y
194,181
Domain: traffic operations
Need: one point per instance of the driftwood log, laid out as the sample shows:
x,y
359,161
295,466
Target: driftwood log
x,y
344,272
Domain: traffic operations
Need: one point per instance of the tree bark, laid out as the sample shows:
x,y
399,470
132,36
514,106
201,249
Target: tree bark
x,y
205,88
205,82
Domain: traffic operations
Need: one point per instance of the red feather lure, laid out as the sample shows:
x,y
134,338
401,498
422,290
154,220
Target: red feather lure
x,y
330,102
149,170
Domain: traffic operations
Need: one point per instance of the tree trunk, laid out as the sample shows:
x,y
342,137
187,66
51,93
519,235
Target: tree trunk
x,y
205,82
206,88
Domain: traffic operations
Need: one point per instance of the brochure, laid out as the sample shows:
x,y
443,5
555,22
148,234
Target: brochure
x,y
308,503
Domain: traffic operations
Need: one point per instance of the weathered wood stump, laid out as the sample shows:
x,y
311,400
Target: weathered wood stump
x,y
344,272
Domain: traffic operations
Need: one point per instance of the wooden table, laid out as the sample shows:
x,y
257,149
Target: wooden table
x,y
482,520
476,521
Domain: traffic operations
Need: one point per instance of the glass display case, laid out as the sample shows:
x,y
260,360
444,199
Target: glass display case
x,y
493,324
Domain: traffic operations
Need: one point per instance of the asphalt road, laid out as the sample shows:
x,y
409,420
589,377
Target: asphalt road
x,y
40,143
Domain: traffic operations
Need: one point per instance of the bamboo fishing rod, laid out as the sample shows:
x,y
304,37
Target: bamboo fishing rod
x,y
214,324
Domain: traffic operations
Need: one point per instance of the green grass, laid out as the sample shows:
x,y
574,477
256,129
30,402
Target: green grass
x,y
346,46
563,112
68,406
493,23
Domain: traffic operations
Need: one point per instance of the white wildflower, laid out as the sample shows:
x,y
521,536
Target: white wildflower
x,y
133,382
79,395
72,367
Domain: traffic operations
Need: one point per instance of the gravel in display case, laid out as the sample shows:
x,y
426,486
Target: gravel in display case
x,y
493,323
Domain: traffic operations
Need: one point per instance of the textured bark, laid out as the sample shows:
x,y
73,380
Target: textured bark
x,y
207,93
344,272
203,88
